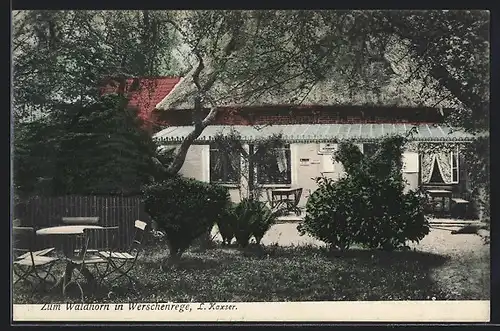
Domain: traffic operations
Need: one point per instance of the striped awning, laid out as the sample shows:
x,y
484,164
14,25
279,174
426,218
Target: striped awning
x,y
320,132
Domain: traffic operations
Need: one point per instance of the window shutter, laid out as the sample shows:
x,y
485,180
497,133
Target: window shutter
x,y
329,165
410,162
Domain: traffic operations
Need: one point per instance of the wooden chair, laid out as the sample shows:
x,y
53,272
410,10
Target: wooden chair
x,y
91,241
122,262
297,196
460,204
28,263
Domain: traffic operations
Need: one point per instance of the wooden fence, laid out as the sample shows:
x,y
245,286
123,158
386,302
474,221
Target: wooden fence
x,y
112,211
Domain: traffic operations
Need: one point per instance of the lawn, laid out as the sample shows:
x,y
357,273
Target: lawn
x,y
271,273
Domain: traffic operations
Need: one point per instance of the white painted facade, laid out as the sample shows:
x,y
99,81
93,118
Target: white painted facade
x,y
307,163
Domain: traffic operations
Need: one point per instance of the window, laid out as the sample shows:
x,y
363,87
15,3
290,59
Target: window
x,y
274,167
224,167
454,167
436,177
410,162
440,167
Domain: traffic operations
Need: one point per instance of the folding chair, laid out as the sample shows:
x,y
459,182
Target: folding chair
x,y
28,263
122,262
92,240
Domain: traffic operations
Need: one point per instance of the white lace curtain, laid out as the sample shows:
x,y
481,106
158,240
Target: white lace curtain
x,y
443,162
282,162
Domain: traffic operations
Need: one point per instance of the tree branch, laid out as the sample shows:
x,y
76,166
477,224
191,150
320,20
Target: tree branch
x,y
199,68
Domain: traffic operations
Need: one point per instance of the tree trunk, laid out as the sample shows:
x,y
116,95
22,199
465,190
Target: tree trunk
x,y
251,177
483,204
181,154
200,125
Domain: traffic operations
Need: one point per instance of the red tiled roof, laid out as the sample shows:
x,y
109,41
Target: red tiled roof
x,y
145,97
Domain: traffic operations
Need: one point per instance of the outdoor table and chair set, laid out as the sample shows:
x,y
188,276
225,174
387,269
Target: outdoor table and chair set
x,y
81,244
444,203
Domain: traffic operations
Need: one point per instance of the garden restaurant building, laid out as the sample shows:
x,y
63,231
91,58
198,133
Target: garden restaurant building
x,y
311,132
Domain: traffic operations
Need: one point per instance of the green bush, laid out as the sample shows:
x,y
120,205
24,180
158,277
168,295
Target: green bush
x,y
368,205
246,213
184,209
226,224
246,219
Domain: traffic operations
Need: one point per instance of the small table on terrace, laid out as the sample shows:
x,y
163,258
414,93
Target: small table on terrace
x,y
442,195
68,230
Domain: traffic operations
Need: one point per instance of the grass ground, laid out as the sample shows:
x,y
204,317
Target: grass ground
x,y
441,268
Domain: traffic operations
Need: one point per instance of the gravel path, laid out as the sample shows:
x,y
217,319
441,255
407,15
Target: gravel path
x,y
466,274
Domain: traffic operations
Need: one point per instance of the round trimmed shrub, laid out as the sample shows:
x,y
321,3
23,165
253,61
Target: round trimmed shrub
x,y
184,209
368,205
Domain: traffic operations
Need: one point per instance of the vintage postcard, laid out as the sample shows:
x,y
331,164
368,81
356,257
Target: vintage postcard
x,y
250,165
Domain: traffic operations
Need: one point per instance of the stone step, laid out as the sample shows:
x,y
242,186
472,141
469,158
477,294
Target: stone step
x,y
284,219
436,226
453,220
455,224
458,223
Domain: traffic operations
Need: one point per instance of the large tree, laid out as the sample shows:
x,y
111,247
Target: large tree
x,y
70,139
452,46
62,58
241,56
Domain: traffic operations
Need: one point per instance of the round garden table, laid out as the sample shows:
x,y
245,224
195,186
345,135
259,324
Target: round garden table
x,y
64,230
68,230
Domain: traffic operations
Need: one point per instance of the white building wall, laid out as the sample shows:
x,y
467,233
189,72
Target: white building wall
x,y
306,165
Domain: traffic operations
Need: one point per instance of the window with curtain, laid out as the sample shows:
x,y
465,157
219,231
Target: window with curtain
x,y
442,166
224,167
274,167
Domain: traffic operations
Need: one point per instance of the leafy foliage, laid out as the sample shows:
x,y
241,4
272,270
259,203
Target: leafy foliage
x,y
246,219
184,209
250,217
477,158
243,51
97,149
457,56
61,58
367,206
70,139
275,53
